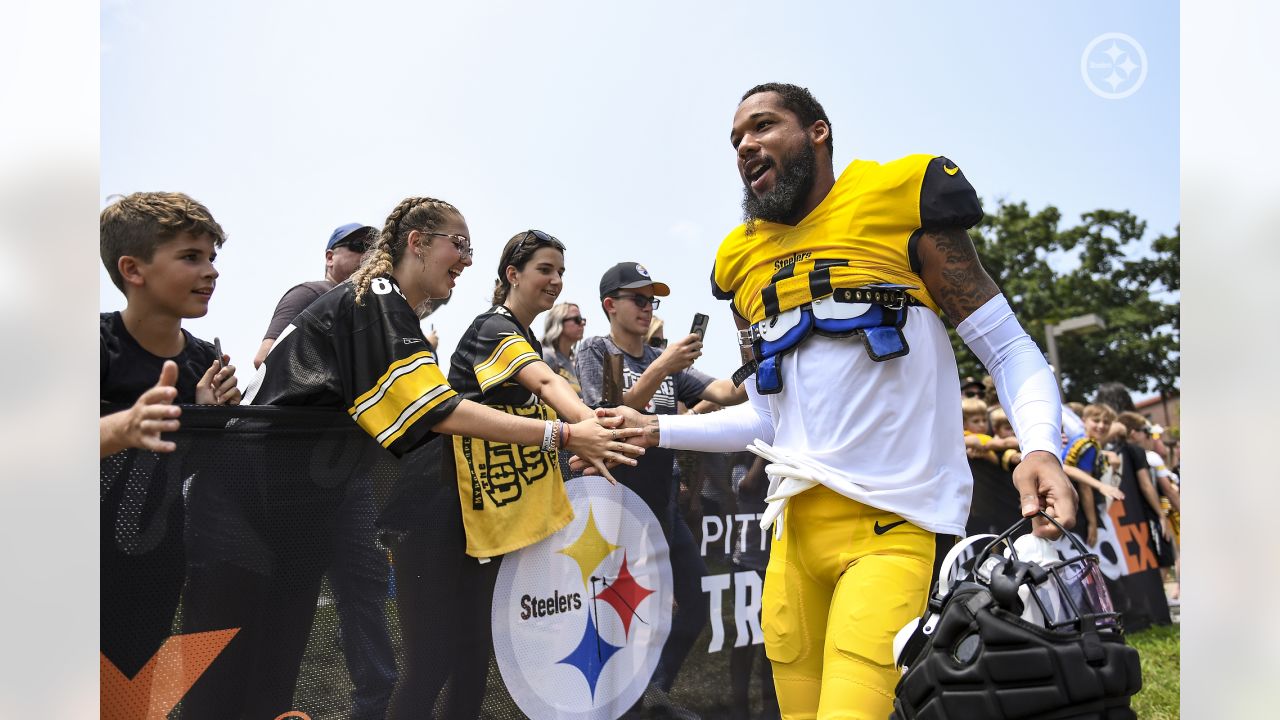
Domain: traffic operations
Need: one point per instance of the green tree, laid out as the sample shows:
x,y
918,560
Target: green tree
x,y
1103,265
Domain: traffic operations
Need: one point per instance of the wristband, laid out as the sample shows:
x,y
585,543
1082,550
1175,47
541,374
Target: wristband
x,y
548,437
564,435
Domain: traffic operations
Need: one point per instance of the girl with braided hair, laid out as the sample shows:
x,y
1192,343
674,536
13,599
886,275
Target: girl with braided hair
x,y
360,347
506,499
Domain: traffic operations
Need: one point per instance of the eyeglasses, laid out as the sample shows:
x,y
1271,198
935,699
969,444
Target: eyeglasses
x,y
462,242
576,319
641,301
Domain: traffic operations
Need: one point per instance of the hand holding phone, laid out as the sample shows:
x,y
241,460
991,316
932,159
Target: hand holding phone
x,y
699,327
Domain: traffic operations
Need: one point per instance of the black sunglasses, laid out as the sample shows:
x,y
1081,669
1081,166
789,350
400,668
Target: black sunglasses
x,y
539,238
357,242
972,393
641,301
576,319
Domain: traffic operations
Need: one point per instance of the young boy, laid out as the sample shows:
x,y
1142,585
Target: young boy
x,y
1005,444
158,248
977,434
1089,469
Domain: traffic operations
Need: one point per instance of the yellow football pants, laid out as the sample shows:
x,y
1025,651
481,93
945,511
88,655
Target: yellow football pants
x,y
836,592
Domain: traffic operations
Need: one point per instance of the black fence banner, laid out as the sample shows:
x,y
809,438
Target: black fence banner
x,y
280,564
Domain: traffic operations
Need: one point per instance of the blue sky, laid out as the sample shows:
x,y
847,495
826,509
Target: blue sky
x,y
604,125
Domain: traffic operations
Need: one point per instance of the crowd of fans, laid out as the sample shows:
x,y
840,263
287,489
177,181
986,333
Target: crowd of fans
x,y
159,249
1106,446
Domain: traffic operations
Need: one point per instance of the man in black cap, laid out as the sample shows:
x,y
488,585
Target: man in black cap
x,y
653,382
972,387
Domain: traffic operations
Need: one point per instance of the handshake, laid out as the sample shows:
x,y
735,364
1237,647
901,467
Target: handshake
x,y
639,431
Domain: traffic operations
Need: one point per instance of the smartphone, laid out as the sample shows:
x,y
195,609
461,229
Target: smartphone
x,y
700,325
217,350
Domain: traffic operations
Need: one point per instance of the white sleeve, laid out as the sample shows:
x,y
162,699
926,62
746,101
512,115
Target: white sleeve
x,y
1024,382
728,430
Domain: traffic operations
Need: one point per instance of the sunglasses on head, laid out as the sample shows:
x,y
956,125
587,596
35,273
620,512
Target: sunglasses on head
x,y
537,237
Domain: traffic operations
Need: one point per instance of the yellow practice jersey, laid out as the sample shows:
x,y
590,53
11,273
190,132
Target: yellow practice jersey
x,y
864,232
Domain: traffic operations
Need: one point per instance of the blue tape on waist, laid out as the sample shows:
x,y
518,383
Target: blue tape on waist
x,y
883,341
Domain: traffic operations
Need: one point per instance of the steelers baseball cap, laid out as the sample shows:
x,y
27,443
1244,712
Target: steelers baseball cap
x,y
627,276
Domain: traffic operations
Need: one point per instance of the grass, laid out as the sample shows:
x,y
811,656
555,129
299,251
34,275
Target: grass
x,y
1159,651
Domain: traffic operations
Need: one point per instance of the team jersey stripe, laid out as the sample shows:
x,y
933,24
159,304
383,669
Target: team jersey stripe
x,y
509,356
786,272
1076,451
412,414
394,372
770,297
820,283
397,398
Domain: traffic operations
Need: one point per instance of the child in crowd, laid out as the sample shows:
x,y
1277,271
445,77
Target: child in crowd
x,y
158,249
1133,454
1004,444
1090,470
977,434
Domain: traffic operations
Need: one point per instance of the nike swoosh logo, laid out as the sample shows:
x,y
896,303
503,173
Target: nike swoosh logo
x,y
882,529
950,170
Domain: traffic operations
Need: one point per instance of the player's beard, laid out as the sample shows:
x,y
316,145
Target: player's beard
x,y
795,179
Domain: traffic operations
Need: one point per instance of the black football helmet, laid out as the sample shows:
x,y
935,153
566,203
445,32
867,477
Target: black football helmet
x,y
1006,638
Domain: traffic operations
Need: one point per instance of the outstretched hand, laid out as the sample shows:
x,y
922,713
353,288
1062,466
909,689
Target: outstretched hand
x,y
646,427
597,445
1042,485
141,425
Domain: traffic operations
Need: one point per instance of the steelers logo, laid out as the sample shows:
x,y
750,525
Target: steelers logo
x,y
642,270
580,619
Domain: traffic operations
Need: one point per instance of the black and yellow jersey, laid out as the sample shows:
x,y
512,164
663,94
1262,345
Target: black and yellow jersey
x,y
489,354
864,232
511,496
370,360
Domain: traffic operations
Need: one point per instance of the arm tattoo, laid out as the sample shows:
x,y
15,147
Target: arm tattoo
x,y
952,273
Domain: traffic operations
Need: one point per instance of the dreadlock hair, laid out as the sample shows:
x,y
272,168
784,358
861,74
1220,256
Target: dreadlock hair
x,y
135,225
554,326
799,101
415,213
516,253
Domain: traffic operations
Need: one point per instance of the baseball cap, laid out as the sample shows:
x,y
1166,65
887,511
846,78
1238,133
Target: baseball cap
x,y
342,232
628,275
971,381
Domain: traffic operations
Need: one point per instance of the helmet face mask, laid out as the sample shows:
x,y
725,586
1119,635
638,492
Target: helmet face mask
x,y
1020,629
1062,592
